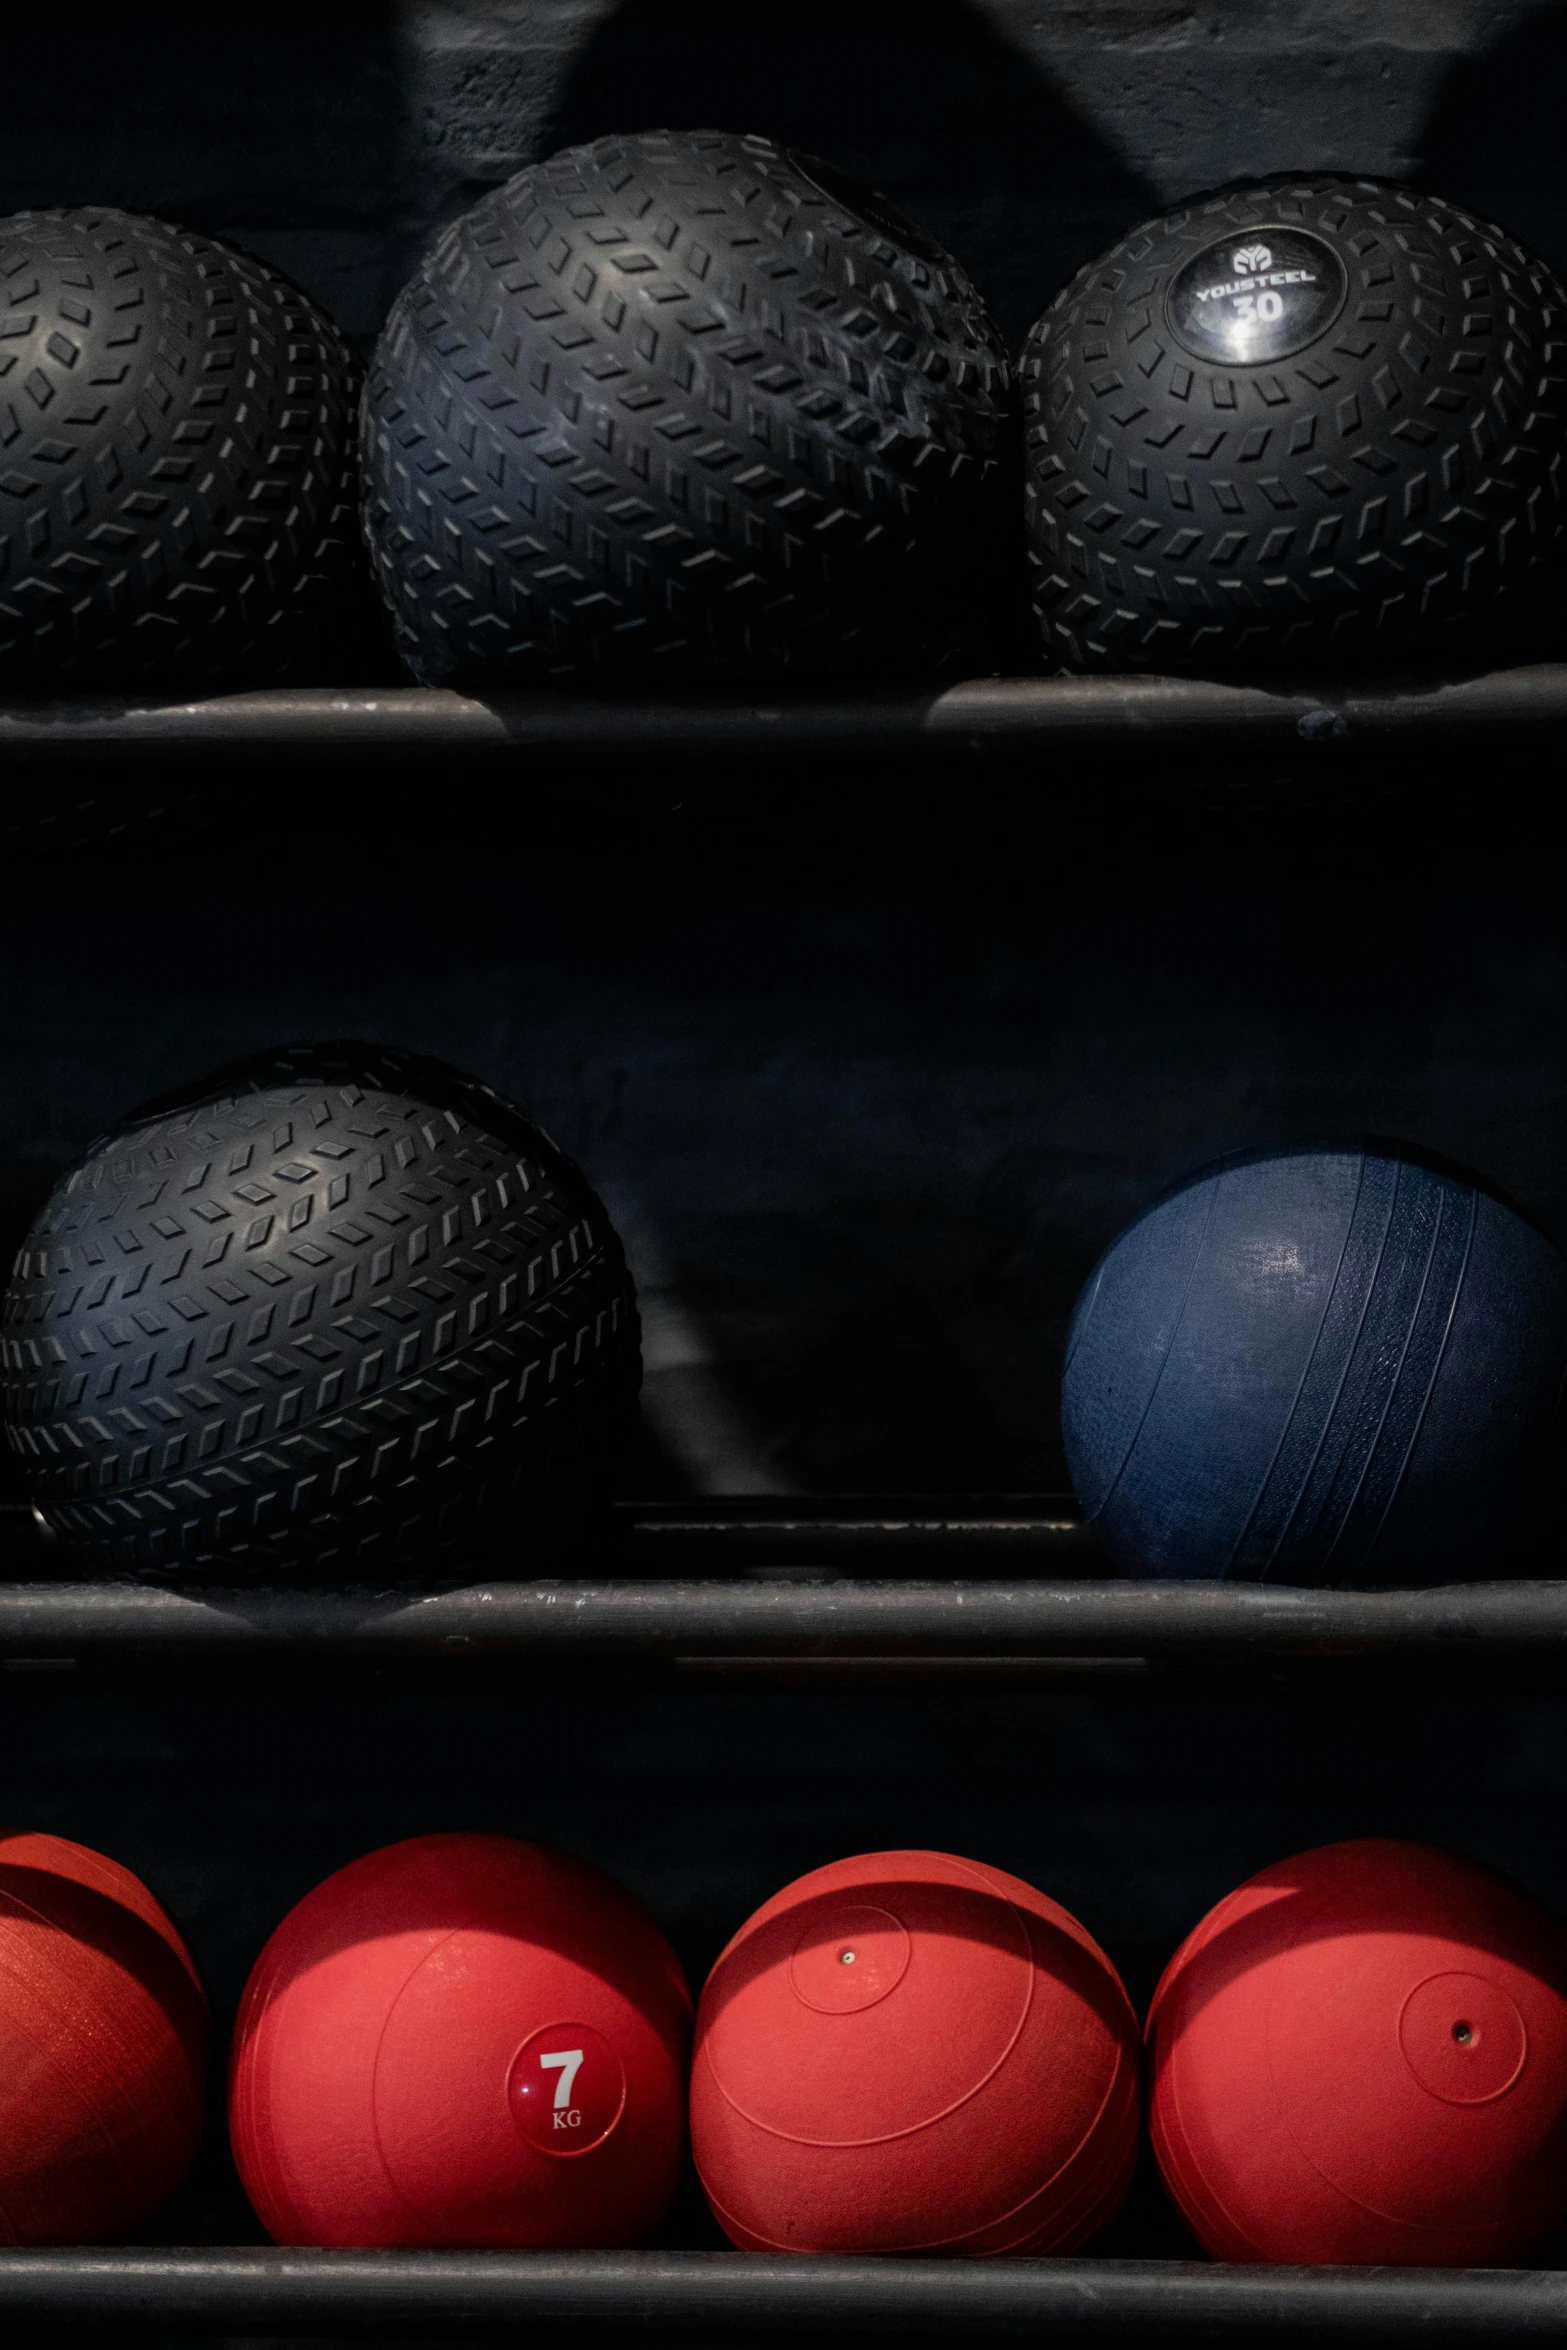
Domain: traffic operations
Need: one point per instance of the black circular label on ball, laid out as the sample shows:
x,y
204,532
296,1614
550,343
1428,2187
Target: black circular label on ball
x,y
1261,295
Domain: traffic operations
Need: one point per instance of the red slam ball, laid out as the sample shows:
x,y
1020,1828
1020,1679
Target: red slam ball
x,y
1361,2055
462,2040
912,2053
103,2044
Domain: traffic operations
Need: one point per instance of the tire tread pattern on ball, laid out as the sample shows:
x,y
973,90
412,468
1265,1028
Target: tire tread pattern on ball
x,y
317,1328
1392,488
178,495
664,404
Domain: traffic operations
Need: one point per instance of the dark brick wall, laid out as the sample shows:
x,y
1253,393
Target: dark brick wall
x,y
1028,133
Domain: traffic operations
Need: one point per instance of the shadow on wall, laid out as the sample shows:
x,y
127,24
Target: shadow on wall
x,y
279,128
1496,137
929,104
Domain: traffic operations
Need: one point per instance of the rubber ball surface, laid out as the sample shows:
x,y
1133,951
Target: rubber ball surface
x,y
1316,1366
1361,2055
103,2046
346,1310
1314,418
685,403
910,2052
177,466
462,2040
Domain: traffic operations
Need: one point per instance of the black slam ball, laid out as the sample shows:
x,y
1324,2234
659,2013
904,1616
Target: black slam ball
x,y
686,404
334,1312
177,460
1316,417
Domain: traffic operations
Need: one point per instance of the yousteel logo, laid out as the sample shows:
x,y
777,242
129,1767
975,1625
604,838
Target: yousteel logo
x,y
1261,299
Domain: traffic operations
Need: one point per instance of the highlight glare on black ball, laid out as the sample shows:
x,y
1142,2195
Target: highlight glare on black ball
x,y
338,1311
686,405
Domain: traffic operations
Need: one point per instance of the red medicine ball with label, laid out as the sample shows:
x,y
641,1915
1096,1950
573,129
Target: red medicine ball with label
x,y
462,2040
1361,2056
907,2052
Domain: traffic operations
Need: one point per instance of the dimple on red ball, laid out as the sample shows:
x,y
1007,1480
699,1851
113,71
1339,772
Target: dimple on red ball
x,y
1361,2056
103,2040
909,2052
462,2040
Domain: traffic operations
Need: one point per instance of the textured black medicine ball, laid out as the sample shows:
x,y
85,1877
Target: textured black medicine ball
x,y
1320,1366
685,405
336,1311
177,460
1317,417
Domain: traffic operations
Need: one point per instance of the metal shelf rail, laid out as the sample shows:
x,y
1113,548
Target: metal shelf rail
x,y
267,2292
730,1585
1002,717
765,1619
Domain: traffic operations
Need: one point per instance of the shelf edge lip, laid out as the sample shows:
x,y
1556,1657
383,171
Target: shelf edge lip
x,y
787,1617
1322,714
257,2289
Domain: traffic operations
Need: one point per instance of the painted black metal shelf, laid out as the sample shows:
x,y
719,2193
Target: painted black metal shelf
x,y
265,2292
835,1591
1004,718
760,1619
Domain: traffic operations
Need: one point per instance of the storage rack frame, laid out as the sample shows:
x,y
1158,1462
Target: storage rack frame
x,y
997,1591
986,719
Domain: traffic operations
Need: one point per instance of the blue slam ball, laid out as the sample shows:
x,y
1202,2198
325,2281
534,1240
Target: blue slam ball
x,y
1319,1366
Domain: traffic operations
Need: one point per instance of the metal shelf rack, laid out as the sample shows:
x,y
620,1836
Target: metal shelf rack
x,y
762,1620
836,1588
962,1591
239,2292
1001,717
